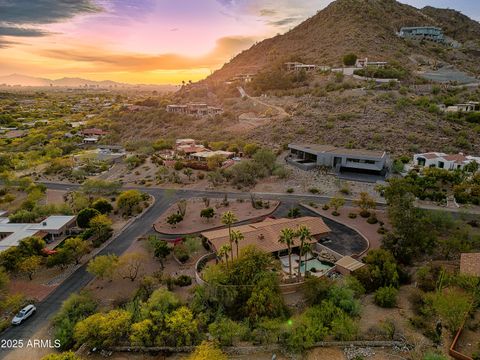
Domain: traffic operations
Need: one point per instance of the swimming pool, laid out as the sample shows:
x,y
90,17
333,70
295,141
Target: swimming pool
x,y
318,265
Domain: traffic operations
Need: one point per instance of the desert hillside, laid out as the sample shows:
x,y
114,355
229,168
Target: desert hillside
x,y
365,27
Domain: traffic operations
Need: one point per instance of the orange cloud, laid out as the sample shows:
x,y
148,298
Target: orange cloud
x,y
101,60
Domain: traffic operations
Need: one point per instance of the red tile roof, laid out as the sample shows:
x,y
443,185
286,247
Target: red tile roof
x,y
265,234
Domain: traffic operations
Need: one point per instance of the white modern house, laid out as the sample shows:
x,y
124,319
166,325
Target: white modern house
x,y
50,229
311,156
444,161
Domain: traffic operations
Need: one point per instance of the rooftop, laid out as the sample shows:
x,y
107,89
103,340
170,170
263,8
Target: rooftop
x,y
339,151
350,263
265,234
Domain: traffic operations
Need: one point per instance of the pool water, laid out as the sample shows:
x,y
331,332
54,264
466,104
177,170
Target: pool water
x,y
319,265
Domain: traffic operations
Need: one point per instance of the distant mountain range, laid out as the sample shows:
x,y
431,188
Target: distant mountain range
x,y
25,80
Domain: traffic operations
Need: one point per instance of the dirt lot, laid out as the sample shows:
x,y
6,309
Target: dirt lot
x,y
193,223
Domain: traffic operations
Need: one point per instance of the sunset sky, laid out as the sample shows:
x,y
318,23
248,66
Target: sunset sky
x,y
147,41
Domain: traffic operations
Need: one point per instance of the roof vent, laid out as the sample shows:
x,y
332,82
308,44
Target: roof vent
x,y
261,237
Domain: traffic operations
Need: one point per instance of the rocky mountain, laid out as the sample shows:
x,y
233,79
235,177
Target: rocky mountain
x,y
367,28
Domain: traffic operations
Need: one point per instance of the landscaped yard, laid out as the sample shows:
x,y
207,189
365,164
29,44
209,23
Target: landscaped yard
x,y
193,222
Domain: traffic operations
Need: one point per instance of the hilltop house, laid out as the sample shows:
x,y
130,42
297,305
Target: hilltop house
x,y
470,106
443,161
188,146
308,157
362,63
194,109
50,229
298,66
93,132
430,33
204,155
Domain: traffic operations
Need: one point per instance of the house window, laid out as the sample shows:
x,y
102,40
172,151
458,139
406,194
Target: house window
x,y
441,164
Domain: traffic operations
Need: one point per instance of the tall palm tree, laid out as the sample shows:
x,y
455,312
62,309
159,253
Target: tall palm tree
x,y
287,237
237,237
229,218
223,252
307,247
304,234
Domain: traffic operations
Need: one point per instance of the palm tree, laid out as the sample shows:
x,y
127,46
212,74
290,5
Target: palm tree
x,y
287,237
307,247
237,237
304,234
223,252
229,218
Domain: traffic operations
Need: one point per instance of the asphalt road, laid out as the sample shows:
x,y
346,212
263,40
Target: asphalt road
x,y
140,226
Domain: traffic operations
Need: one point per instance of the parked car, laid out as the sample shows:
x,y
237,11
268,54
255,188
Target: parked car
x,y
24,314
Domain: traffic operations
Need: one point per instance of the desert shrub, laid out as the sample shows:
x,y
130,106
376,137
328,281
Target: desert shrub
x,y
352,215
386,297
183,280
181,253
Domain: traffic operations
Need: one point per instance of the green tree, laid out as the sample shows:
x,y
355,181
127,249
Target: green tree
x,y
386,297
103,266
287,237
31,246
69,355
214,162
188,172
103,206
226,331
131,264
336,203
207,351
128,202
78,247
350,59
344,328
77,307
229,218
381,270
182,327
223,252
453,306
174,219
365,203
30,265
304,234
250,149
237,238
103,329
316,289
161,250
142,333
207,213
85,215
101,225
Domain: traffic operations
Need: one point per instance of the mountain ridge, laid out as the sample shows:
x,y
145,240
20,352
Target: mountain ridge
x,y
365,27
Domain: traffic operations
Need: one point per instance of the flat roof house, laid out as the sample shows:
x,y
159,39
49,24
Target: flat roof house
x,y
361,63
52,228
431,33
308,157
204,155
444,161
265,234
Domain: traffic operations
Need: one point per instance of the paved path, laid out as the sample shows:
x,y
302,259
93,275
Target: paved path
x,y
281,111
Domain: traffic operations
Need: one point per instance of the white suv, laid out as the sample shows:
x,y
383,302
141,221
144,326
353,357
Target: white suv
x,y
24,314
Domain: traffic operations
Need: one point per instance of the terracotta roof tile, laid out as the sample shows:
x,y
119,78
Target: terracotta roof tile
x,y
265,234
